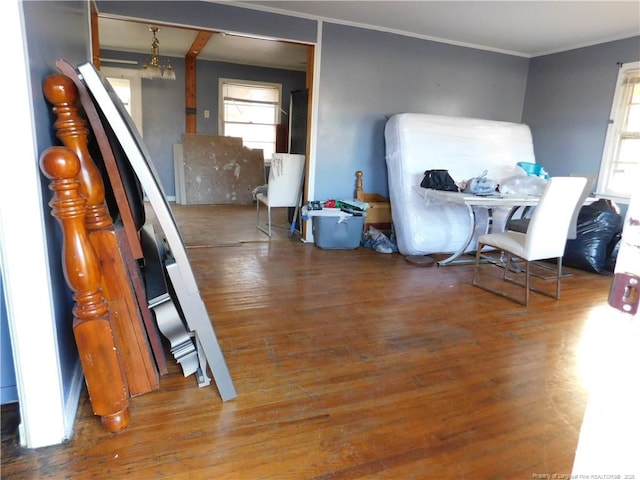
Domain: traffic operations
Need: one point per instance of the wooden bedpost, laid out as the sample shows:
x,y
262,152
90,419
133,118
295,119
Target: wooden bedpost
x,y
91,323
128,310
73,132
359,191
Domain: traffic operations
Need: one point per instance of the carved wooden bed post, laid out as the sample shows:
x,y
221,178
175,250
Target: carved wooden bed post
x,y
140,372
359,189
91,323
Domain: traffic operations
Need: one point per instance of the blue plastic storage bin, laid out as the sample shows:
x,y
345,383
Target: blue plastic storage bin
x,y
336,232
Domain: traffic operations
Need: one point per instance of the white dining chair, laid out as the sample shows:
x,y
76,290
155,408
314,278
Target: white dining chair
x,y
545,238
521,224
284,187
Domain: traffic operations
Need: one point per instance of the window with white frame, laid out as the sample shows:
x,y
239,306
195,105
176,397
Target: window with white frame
x,y
250,110
127,85
621,154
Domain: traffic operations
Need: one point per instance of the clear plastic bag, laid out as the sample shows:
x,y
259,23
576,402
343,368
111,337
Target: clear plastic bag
x,y
480,185
522,185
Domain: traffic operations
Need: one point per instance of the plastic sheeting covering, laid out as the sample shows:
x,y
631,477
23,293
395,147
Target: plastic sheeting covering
x,y
464,146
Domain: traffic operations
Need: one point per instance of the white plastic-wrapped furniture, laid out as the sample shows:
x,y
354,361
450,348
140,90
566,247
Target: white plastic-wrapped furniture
x,y
466,147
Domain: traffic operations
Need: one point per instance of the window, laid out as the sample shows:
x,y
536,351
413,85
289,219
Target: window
x,y
250,110
122,87
127,85
621,155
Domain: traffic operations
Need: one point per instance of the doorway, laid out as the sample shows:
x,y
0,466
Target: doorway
x,y
113,34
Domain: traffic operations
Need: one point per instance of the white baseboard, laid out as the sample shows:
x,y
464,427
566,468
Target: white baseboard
x,y
73,399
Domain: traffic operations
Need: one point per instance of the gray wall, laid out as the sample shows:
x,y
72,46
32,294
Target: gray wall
x,y
568,102
367,75
53,30
163,103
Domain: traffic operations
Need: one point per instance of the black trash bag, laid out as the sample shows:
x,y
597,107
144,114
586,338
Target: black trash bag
x,y
598,224
612,252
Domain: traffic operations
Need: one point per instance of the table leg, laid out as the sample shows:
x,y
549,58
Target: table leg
x,y
453,259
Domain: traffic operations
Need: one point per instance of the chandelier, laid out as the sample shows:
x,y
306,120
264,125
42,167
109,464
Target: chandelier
x,y
153,69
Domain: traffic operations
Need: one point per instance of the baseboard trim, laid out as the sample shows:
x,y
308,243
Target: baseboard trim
x,y
73,399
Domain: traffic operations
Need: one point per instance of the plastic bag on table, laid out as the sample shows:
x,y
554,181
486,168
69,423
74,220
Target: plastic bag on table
x,y
480,185
532,169
522,185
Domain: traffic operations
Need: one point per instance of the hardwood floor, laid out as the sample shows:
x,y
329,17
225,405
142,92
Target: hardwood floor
x,y
348,364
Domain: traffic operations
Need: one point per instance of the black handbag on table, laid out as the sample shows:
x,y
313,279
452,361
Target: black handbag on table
x,y
439,180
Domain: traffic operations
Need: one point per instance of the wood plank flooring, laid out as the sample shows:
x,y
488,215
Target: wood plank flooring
x,y
348,364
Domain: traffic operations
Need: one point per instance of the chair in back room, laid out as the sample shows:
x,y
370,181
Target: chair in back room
x,y
284,187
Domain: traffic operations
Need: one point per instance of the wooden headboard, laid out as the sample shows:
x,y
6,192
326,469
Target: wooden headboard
x,y
379,211
119,347
107,265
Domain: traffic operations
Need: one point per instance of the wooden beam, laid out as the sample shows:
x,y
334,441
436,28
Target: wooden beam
x,y
199,43
190,80
190,94
311,52
95,37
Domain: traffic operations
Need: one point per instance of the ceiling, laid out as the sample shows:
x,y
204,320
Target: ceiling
x,y
131,36
526,28
523,28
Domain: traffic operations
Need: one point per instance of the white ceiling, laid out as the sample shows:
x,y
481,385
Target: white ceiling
x,y
526,28
130,36
523,28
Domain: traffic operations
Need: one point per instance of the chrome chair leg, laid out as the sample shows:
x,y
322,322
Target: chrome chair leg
x,y
260,227
269,219
527,281
476,281
558,277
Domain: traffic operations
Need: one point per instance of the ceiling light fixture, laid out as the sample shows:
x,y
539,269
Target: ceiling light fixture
x,y
153,69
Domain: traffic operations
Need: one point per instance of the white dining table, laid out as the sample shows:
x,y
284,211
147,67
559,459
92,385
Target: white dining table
x,y
488,202
472,202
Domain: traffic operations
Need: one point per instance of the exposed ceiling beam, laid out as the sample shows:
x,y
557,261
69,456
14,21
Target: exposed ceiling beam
x,y
190,79
198,44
